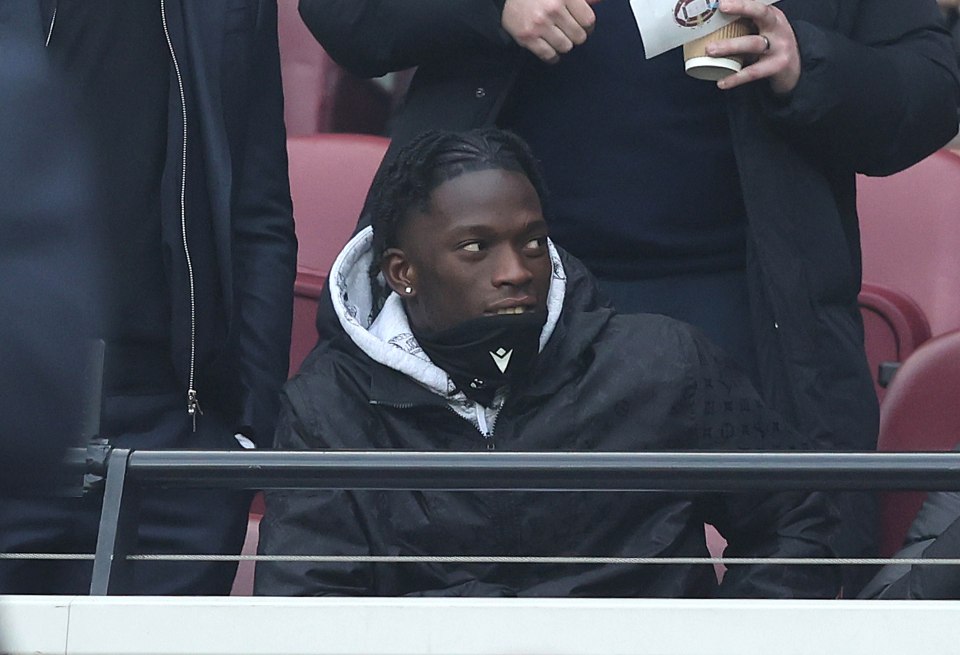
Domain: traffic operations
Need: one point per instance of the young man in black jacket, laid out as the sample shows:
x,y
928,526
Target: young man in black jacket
x,y
488,338
182,106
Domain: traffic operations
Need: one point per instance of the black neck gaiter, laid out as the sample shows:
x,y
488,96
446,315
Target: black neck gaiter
x,y
483,354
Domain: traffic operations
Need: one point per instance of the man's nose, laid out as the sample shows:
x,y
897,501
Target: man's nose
x,y
511,269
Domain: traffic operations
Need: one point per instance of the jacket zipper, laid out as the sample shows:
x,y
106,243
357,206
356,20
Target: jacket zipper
x,y
53,20
486,429
193,403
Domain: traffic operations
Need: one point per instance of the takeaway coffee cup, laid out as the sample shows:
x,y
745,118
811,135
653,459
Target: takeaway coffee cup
x,y
702,67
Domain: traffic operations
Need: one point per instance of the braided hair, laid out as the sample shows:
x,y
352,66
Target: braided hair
x,y
406,184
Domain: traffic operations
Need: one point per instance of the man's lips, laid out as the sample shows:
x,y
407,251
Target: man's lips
x,y
519,305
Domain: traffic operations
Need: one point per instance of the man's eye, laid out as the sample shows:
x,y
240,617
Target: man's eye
x,y
473,246
536,244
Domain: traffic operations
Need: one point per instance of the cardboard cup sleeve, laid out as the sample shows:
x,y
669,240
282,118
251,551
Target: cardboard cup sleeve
x,y
702,67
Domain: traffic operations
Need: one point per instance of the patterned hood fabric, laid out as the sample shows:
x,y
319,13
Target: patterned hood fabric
x,y
387,339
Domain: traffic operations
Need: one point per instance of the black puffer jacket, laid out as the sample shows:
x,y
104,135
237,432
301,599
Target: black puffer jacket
x,y
604,382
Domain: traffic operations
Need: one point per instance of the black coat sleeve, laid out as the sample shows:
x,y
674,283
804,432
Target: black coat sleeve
x,y
373,37
729,416
935,534
883,92
264,244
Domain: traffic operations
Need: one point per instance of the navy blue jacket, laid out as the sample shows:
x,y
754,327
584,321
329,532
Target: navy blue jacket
x,y
228,61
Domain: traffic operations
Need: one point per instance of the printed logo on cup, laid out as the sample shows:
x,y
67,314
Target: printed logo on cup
x,y
693,13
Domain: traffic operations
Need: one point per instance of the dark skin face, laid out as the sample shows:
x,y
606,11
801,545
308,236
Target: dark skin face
x,y
480,249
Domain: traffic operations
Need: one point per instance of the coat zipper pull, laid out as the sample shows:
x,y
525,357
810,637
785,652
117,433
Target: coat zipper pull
x,y
193,407
484,427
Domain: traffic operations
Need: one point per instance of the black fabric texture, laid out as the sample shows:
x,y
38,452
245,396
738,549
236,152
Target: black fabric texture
x,y
115,57
473,352
647,188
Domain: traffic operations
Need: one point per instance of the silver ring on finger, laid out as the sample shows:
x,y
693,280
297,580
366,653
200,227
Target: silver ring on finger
x,y
766,43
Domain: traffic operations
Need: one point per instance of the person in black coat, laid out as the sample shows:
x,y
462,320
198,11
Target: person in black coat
x,y
488,338
182,107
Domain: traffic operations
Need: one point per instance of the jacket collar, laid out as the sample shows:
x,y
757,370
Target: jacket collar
x,y
563,360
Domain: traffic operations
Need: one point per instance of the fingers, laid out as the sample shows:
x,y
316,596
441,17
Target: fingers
x,y
778,64
753,44
762,15
775,47
553,43
548,28
583,14
764,68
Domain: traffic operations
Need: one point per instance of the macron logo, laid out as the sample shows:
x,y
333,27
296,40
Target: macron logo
x,y
502,359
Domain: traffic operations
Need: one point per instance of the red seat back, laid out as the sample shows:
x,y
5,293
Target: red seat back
x,y
894,326
330,175
921,412
910,233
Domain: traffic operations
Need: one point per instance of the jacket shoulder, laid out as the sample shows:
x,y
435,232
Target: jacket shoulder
x,y
326,404
655,338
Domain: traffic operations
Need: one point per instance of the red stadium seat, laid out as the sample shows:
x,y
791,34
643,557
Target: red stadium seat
x,y
910,233
894,326
330,175
303,337
921,412
329,178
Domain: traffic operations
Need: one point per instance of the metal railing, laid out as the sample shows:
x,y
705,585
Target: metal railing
x,y
122,473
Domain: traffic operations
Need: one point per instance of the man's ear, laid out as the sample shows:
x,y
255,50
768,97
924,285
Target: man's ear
x,y
398,272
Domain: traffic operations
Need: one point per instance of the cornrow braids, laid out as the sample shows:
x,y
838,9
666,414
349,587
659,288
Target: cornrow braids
x,y
406,184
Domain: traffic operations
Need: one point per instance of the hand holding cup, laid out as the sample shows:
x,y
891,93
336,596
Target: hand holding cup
x,y
774,47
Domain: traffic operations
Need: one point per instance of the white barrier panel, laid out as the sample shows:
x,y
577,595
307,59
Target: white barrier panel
x,y
81,625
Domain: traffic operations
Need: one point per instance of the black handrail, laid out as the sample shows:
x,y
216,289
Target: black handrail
x,y
668,471
125,471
